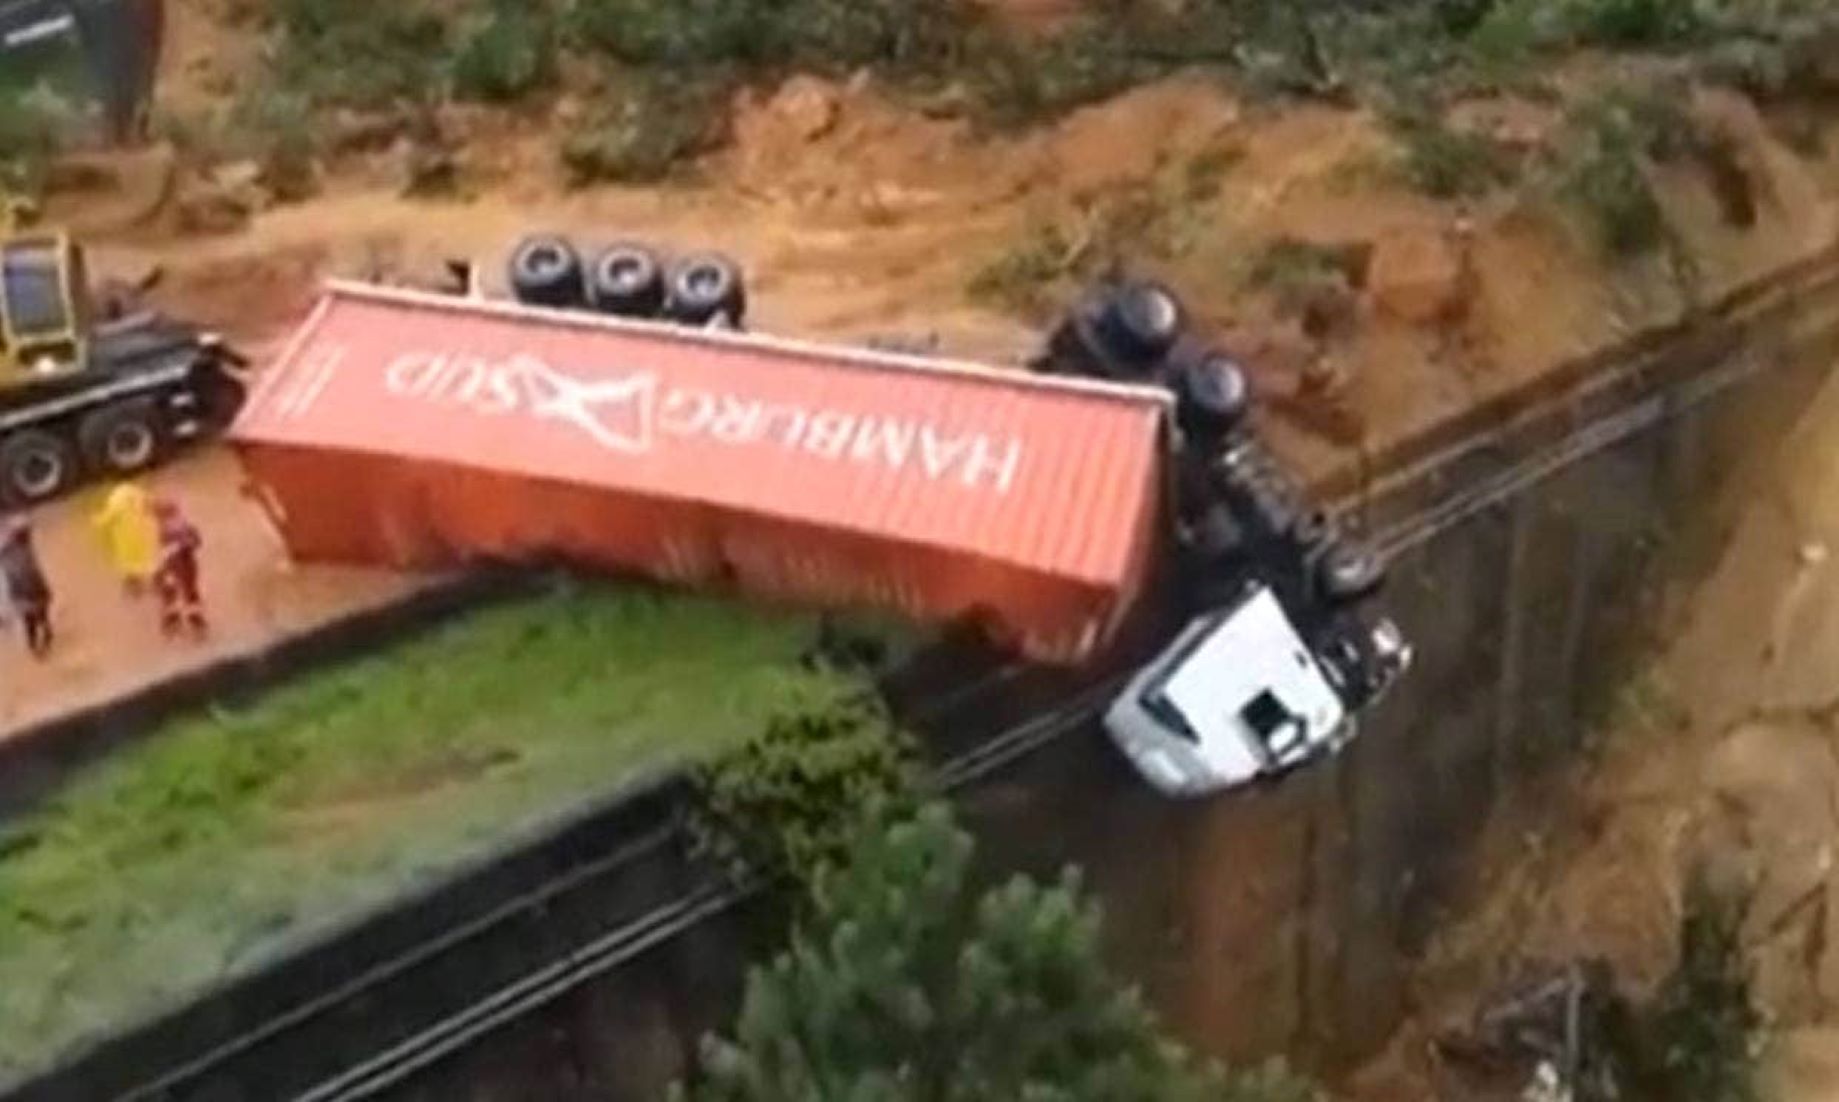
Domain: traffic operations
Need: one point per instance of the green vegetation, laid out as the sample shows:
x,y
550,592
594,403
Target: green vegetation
x,y
1308,279
361,53
358,53
794,799
40,90
905,982
1602,164
1704,1021
507,52
1443,162
646,131
187,856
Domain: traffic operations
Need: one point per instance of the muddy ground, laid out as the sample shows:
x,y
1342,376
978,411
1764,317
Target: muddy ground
x,y
109,644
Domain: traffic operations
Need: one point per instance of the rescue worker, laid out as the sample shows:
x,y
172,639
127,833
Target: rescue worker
x,y
176,578
130,535
26,587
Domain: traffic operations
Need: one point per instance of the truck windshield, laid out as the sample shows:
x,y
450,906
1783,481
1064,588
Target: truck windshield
x,y
31,291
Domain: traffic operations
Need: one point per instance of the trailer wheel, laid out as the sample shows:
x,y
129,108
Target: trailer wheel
x,y
626,280
703,287
1349,574
1142,322
122,439
1212,397
35,466
546,271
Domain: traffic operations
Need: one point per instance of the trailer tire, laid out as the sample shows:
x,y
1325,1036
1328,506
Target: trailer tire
x,y
1142,322
703,287
546,271
1212,396
1349,574
627,281
122,439
35,466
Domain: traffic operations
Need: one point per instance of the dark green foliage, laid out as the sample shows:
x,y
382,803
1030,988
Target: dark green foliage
x,y
361,53
1634,23
904,984
823,34
647,130
1014,82
1704,1020
1602,163
507,53
274,127
1443,162
795,798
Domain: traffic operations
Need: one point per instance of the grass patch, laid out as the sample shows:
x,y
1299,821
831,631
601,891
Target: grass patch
x,y
647,131
362,53
1602,164
507,52
183,858
1443,162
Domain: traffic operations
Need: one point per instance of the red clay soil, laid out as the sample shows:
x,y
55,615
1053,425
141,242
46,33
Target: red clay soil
x,y
109,645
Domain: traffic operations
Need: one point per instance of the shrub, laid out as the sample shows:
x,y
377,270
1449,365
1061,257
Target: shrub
x,y
1014,83
1705,1019
274,127
795,799
1610,187
361,53
647,132
822,34
1602,168
507,53
1443,162
1633,23
907,981
1293,270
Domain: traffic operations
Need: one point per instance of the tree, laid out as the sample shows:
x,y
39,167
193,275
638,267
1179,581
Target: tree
x,y
901,985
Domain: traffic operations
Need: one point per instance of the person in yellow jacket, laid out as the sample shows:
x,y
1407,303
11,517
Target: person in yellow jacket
x,y
130,534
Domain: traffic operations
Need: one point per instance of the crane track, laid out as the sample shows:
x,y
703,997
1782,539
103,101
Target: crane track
x,y
1597,411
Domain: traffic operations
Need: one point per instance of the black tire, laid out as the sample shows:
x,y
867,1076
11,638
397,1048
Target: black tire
x,y
626,280
1212,397
703,287
546,271
1142,322
122,439
1349,574
35,466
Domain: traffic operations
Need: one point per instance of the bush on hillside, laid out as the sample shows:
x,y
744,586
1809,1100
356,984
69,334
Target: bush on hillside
x,y
361,53
506,53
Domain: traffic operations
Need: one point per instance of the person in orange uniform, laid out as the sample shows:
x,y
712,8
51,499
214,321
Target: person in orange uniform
x,y
176,578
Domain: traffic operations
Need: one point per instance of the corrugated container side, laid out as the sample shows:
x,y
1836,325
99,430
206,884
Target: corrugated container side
x,y
354,507
423,433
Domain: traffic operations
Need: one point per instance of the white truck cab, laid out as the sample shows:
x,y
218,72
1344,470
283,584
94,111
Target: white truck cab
x,y
1238,696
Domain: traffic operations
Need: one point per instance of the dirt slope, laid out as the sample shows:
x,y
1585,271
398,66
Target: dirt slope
x,y
1728,753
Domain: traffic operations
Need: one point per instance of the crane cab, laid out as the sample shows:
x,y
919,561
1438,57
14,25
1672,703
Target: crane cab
x,y
43,308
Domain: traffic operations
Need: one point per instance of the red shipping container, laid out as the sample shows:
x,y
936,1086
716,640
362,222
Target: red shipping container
x,y
418,431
